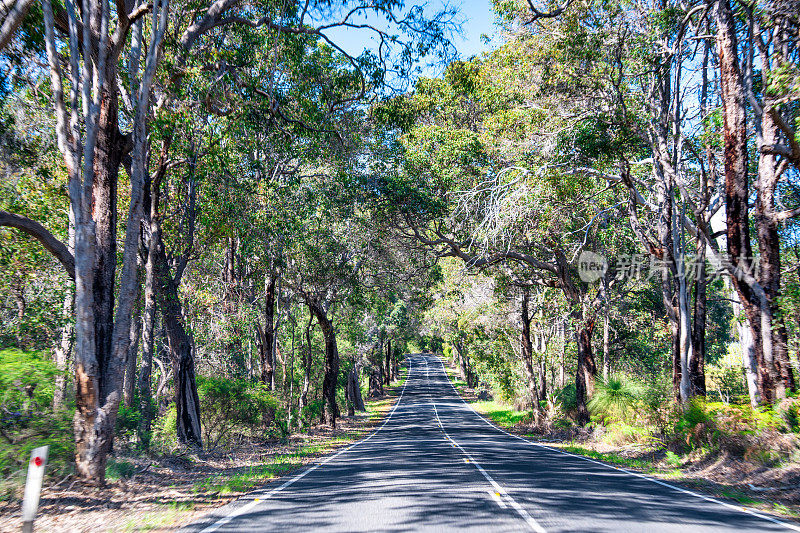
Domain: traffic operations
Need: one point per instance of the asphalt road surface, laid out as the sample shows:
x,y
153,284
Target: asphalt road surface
x,y
436,465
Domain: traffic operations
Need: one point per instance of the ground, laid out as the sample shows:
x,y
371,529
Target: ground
x,y
167,492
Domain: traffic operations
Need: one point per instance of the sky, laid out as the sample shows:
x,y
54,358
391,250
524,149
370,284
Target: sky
x,y
477,19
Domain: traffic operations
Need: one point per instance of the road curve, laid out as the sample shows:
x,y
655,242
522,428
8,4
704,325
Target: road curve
x,y
436,465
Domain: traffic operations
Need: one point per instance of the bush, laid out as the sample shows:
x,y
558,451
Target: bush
x,y
27,420
232,408
164,433
128,419
567,397
48,429
119,469
27,382
789,411
615,398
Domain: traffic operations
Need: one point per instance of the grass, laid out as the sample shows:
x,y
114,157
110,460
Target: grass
x,y
643,465
500,413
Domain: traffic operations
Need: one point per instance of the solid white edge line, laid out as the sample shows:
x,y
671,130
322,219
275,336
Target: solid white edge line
x,y
532,523
258,499
741,509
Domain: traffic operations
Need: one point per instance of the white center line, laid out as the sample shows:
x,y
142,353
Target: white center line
x,y
636,474
501,493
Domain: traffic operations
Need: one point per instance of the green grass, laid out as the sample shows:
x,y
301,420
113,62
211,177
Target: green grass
x,y
116,470
739,496
611,457
500,413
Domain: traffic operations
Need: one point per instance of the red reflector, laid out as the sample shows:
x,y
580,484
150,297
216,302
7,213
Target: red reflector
x,y
37,461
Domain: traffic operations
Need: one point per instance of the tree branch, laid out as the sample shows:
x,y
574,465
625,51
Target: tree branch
x,y
48,240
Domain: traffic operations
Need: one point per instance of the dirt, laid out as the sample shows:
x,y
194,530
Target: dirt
x,y
163,494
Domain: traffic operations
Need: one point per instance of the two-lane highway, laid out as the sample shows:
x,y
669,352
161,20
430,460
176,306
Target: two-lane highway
x,y
435,464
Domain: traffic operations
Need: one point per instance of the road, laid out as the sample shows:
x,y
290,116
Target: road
x,y
436,465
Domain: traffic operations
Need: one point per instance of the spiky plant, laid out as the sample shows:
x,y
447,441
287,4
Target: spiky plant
x,y
615,397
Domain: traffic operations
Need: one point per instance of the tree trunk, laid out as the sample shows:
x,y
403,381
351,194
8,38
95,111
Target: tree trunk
x,y
63,349
331,372
387,371
358,401
306,365
130,365
737,194
697,362
606,351
587,370
98,372
527,356
181,349
267,338
766,225
148,346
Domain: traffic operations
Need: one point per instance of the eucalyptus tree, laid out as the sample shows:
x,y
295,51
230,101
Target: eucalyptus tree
x,y
476,183
93,42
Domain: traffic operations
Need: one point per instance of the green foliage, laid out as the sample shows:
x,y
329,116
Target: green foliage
x,y
128,418
616,397
27,383
566,396
164,436
27,419
232,407
116,470
673,459
46,429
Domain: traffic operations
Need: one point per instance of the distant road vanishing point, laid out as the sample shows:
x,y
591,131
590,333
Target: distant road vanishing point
x,y
436,465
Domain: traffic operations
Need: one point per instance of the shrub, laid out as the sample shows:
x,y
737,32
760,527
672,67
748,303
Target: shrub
x,y
789,411
619,433
228,406
164,434
27,420
615,398
567,397
128,419
119,469
27,382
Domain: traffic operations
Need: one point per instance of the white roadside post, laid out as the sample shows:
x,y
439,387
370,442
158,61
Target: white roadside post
x,y
33,487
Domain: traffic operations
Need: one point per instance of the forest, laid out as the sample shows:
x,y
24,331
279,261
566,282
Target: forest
x,y
222,225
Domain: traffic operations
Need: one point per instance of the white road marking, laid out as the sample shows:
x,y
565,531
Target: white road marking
x,y
636,474
496,497
501,493
247,507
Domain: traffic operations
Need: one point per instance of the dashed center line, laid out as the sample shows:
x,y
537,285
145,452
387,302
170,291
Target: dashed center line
x,y
501,496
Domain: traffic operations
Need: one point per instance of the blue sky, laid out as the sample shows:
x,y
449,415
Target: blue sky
x,y
477,17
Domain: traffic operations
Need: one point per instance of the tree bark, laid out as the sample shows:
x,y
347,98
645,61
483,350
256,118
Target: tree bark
x,y
737,194
587,370
527,356
358,401
387,372
181,348
306,365
331,367
148,347
267,335
697,362
133,352
63,349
